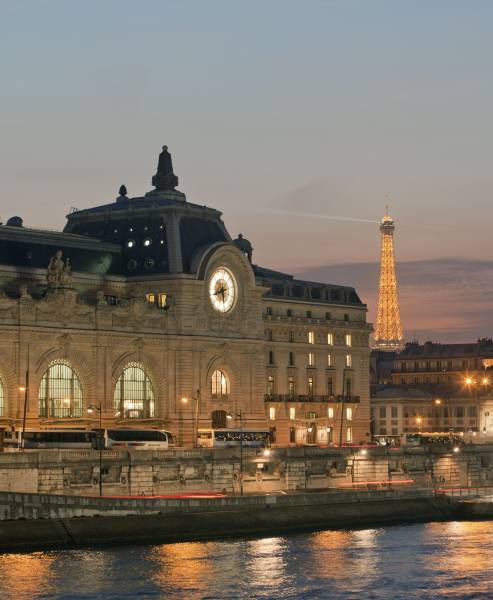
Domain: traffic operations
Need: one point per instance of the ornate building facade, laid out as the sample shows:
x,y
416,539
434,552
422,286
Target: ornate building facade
x,y
145,311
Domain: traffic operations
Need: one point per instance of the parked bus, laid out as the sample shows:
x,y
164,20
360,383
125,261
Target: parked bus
x,y
144,439
49,438
230,438
432,439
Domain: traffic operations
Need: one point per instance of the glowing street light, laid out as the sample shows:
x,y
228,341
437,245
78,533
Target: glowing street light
x,y
437,401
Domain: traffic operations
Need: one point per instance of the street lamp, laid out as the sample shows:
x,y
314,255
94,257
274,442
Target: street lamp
x,y
184,400
91,409
419,420
240,416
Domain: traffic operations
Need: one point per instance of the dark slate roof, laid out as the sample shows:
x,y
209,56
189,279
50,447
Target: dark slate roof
x,y
425,391
286,286
480,348
29,247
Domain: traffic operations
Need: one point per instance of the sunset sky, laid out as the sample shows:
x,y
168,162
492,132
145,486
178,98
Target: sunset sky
x,y
280,113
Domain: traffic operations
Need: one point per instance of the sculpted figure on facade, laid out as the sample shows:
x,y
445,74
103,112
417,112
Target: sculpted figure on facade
x,y
59,273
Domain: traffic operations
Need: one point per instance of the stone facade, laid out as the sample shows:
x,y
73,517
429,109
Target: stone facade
x,y
135,285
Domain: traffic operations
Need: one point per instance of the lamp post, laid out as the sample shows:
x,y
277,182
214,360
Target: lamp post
x,y
196,398
100,438
344,391
25,389
240,416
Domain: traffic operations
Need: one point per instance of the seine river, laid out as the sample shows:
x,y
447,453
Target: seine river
x,y
435,560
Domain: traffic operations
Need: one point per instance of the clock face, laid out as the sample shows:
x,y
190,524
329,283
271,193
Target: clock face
x,y
222,290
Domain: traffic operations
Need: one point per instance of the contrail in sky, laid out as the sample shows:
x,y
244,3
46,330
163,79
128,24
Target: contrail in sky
x,y
291,213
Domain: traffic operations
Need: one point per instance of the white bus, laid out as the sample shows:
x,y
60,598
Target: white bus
x,y
232,438
144,439
49,438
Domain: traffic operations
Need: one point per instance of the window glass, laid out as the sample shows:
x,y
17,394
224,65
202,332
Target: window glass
x,y
220,385
134,393
60,392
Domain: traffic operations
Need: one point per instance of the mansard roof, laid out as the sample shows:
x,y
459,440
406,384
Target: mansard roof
x,y
288,287
30,247
481,348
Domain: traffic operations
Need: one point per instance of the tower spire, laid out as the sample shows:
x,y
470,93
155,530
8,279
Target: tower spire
x,y
388,332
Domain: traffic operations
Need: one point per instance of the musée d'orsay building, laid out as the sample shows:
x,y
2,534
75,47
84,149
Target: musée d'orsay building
x,y
142,302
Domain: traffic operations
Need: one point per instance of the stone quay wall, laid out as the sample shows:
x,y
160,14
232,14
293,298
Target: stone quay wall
x,y
30,521
147,473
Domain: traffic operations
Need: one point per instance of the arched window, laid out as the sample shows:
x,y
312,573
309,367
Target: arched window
x,y
220,385
2,399
134,394
60,392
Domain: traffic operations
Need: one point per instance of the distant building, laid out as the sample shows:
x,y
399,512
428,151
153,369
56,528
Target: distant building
x,y
382,364
398,409
445,364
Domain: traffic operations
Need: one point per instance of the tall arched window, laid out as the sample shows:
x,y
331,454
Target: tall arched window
x,y
60,392
134,394
220,385
2,399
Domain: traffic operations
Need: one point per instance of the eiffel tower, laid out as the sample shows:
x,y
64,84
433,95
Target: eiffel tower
x,y
388,332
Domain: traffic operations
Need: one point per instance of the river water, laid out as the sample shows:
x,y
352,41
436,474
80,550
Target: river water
x,y
433,560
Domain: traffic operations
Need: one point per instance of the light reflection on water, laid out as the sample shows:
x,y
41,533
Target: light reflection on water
x,y
435,560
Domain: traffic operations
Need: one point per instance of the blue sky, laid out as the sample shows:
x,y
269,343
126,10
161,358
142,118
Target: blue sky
x,y
270,108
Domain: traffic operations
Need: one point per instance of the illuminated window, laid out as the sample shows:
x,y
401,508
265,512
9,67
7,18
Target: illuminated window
x,y
131,243
311,337
349,435
349,414
349,340
60,392
311,359
147,242
330,339
312,416
220,385
330,413
163,300
270,385
329,360
272,413
151,298
2,399
349,360
134,394
310,387
292,413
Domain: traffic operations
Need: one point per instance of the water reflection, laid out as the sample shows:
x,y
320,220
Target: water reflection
x,y
440,560
268,563
25,575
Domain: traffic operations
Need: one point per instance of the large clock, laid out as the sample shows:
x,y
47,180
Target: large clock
x,y
222,290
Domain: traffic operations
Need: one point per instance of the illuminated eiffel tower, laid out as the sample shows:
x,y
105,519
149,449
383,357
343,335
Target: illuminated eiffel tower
x,y
388,332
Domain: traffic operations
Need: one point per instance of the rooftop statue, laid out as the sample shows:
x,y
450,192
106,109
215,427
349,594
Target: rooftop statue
x,y
165,179
244,245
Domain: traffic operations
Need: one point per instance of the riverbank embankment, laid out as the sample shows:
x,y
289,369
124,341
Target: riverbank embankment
x,y
30,521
